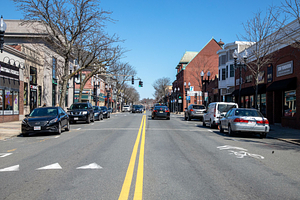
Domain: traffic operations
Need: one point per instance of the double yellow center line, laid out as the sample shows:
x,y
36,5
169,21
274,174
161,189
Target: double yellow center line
x,y
138,192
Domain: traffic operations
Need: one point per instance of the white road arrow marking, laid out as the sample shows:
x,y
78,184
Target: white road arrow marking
x,y
53,166
11,169
90,166
2,155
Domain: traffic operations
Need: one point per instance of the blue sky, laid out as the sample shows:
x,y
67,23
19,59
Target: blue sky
x,y
158,32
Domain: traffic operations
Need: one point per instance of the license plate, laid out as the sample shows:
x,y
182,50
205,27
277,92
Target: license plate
x,y
75,118
161,111
37,128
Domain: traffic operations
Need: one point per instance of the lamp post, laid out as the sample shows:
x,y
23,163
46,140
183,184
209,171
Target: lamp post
x,y
206,82
96,85
235,56
2,31
186,89
107,95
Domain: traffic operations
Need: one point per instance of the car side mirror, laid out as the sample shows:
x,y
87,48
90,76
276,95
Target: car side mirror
x,y
68,108
26,115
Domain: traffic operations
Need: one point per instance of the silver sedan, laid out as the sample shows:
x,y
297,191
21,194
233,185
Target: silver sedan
x,y
245,120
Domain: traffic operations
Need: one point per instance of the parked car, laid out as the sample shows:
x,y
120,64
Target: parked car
x,y
137,109
106,113
161,112
214,110
45,119
81,112
245,120
98,113
194,111
126,108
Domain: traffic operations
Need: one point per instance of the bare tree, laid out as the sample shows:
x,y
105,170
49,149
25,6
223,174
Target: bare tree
x,y
263,31
202,64
64,23
130,94
160,86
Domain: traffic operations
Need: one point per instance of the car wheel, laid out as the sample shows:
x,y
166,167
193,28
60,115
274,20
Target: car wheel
x,y
25,134
189,118
68,126
211,124
168,118
109,116
93,119
203,122
59,129
230,132
102,117
262,135
88,120
221,129
185,118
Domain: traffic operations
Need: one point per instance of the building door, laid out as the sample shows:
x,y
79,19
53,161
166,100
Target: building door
x,y
33,99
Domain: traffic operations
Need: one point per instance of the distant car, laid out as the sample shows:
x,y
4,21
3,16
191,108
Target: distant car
x,y
161,112
106,113
45,119
126,108
194,111
245,120
137,109
98,113
81,112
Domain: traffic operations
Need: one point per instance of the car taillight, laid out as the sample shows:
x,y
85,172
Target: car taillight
x,y
215,112
167,110
154,110
263,122
192,110
240,120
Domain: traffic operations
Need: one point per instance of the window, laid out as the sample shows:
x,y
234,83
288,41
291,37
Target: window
x,y
54,63
226,71
33,75
8,103
263,104
231,71
219,75
39,96
290,103
223,74
1,102
16,102
25,93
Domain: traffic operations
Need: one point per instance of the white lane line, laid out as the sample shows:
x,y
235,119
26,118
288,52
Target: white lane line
x,y
11,169
90,166
52,166
210,130
57,136
2,155
78,129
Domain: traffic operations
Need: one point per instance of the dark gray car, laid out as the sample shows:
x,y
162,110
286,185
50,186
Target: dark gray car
x,y
81,112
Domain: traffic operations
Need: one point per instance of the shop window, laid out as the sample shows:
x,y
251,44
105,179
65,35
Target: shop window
x,y
252,101
226,72
223,74
25,93
54,63
16,103
258,102
242,102
8,102
66,99
246,102
290,103
1,102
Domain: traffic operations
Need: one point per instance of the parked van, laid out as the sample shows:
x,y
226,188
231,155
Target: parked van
x,y
214,112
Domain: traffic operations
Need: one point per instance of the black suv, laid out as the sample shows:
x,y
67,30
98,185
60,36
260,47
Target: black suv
x,y
81,112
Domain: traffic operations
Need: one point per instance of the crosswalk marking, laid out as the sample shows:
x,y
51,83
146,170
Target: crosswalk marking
x,y
52,166
11,169
90,166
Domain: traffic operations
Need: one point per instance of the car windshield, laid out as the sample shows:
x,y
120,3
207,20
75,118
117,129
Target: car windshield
x,y
248,113
198,107
79,106
95,107
39,112
225,107
103,108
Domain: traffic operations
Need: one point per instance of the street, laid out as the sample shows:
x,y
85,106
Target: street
x,y
131,156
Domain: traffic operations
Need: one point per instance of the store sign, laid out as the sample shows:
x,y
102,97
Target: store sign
x,y
33,87
284,69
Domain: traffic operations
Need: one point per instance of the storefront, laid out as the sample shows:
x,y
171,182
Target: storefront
x,y
9,92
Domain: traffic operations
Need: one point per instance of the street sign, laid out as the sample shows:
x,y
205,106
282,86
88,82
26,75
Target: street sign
x,y
188,98
179,100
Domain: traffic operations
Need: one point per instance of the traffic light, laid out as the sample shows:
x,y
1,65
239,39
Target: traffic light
x,y
185,92
141,83
132,80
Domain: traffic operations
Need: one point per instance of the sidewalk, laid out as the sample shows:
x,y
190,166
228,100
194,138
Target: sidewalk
x,y
13,129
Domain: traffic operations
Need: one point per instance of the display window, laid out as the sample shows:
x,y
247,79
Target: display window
x,y
8,102
289,108
16,102
1,102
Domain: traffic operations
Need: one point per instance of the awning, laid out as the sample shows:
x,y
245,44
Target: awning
x,y
287,84
250,90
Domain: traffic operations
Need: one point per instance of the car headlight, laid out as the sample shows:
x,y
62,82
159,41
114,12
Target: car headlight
x,y
53,120
84,112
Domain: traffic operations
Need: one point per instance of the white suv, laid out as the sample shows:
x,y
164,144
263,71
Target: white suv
x,y
126,108
214,112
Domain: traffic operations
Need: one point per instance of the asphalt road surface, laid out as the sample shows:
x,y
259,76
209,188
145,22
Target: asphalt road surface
x,y
131,156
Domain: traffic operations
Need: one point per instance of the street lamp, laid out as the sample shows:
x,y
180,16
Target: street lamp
x,y
2,31
186,95
96,85
108,94
235,56
206,82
